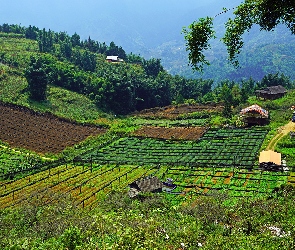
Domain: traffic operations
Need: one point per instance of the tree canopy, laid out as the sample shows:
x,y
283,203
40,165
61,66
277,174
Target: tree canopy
x,y
265,13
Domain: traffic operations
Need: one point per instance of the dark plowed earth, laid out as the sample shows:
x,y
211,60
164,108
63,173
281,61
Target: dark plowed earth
x,y
172,112
192,133
42,133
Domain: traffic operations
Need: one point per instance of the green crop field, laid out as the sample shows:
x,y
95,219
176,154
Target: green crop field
x,y
217,148
222,159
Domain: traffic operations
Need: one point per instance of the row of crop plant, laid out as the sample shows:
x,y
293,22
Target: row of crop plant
x,y
236,182
89,185
83,183
226,147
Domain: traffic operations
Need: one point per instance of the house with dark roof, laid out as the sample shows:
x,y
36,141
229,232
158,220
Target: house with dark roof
x,y
271,93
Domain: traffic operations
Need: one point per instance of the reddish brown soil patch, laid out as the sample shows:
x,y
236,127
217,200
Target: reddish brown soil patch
x,y
176,133
227,180
172,112
247,180
214,179
42,133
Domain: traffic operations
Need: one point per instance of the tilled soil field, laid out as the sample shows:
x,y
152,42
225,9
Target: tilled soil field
x,y
42,133
174,133
173,112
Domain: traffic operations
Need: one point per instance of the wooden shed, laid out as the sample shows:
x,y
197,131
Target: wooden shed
x,y
271,93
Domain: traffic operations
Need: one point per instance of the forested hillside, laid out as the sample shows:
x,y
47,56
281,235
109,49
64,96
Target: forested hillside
x,y
265,53
130,25
66,61
40,58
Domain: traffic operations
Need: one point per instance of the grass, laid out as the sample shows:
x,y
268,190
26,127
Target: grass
x,y
61,102
15,58
153,222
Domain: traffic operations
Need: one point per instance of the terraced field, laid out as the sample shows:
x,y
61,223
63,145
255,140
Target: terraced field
x,y
181,133
85,184
222,159
217,147
42,133
199,160
173,112
238,182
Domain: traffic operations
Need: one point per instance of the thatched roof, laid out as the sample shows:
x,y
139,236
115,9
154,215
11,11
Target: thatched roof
x,y
149,184
272,90
254,110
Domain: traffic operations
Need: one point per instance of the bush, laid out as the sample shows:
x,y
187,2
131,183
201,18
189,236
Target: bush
x,y
71,238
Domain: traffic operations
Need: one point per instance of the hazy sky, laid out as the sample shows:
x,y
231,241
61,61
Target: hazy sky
x,y
146,22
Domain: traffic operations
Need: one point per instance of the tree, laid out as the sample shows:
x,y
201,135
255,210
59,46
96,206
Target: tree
x,y
274,80
37,79
197,39
45,41
265,13
75,39
227,98
152,66
32,32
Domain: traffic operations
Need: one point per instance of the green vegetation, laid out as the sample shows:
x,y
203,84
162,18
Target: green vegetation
x,y
153,222
17,161
222,200
117,88
216,148
264,13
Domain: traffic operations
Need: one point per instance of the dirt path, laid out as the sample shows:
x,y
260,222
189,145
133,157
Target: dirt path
x,y
282,131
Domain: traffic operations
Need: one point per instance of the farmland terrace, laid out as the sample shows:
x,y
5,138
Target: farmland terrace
x,y
183,133
41,132
173,112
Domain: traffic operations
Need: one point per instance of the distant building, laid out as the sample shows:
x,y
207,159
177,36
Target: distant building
x,y
271,93
114,59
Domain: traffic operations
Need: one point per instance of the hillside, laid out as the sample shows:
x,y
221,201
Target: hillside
x,y
66,162
80,66
85,191
156,33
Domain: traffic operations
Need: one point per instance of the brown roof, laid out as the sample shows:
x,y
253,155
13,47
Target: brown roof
x,y
255,110
272,90
270,156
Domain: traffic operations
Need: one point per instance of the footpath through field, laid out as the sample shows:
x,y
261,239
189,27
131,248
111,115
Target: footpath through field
x,y
282,131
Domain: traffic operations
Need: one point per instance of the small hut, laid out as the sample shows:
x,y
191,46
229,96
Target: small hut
x,y
255,115
270,160
114,59
271,93
148,184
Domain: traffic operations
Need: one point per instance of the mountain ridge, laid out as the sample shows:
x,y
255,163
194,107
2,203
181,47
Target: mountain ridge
x,y
152,30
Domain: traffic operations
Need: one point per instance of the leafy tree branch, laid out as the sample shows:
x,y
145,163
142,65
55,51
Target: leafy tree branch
x,y
265,13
